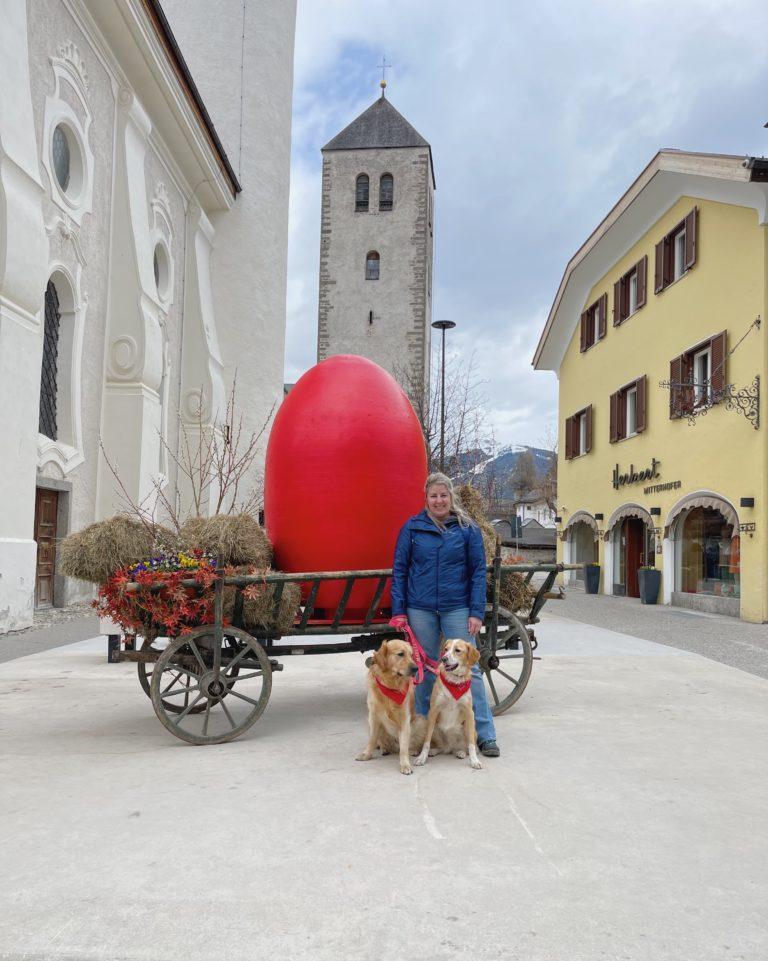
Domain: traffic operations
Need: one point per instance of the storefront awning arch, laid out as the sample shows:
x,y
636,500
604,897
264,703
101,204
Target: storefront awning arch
x,y
583,517
627,510
703,499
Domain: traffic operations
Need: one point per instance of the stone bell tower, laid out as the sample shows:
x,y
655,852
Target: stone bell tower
x,y
376,244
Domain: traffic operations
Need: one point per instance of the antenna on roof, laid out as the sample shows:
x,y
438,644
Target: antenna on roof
x,y
383,82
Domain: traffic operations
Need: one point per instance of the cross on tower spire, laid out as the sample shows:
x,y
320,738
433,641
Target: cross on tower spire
x,y
383,82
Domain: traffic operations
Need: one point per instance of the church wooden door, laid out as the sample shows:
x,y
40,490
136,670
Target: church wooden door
x,y
46,504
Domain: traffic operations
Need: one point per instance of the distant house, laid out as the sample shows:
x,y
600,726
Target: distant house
x,y
534,507
535,534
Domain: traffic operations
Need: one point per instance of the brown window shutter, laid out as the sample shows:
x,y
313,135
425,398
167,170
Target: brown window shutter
x,y
588,431
614,425
690,238
642,270
584,344
568,439
686,375
675,377
640,384
618,310
602,319
659,279
717,355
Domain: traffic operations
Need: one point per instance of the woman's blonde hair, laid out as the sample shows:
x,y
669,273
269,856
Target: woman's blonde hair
x,y
456,509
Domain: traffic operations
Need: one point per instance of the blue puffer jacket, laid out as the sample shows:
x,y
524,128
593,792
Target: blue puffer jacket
x,y
438,571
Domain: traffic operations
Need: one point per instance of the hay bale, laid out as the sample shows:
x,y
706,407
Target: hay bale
x,y
232,538
257,611
514,594
95,553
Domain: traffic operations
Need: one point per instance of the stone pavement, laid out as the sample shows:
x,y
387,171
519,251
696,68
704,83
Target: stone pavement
x,y
624,820
725,639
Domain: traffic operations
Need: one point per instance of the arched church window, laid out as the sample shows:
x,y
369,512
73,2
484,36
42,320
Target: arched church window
x,y
386,191
49,372
361,192
372,262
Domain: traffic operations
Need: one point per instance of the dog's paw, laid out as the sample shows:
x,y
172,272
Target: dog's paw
x,y
364,756
433,751
421,759
476,764
461,755
406,768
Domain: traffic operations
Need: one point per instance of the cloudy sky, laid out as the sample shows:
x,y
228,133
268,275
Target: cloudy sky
x,y
539,116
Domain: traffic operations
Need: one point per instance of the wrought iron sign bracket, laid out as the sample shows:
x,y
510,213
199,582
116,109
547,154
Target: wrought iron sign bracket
x,y
745,400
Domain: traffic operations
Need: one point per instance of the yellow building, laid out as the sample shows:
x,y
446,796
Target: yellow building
x,y
656,338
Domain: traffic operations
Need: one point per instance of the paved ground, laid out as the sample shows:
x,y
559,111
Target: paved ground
x,y
724,639
625,819
51,629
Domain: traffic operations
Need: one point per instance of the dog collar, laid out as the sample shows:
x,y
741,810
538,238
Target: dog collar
x,y
392,692
456,690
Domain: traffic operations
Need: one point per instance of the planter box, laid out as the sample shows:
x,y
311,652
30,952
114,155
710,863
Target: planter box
x,y
650,583
592,578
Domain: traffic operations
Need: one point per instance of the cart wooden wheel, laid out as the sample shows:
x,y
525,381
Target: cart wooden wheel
x,y
226,705
507,664
174,703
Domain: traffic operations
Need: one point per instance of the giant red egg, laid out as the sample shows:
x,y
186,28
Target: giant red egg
x,y
345,468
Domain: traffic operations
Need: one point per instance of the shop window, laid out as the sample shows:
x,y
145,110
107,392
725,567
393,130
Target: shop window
x,y
628,410
593,323
676,252
629,292
708,555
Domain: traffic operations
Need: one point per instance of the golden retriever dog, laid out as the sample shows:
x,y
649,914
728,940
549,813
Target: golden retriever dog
x,y
390,702
450,706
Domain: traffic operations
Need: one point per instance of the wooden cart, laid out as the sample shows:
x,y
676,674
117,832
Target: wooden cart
x,y
211,684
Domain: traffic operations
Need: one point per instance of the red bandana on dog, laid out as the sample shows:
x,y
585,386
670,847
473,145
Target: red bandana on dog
x,y
457,690
392,692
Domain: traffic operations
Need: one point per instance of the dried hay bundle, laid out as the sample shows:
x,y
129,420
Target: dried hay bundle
x,y
95,553
232,538
259,602
514,594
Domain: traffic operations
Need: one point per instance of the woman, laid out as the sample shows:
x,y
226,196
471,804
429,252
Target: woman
x,y
438,587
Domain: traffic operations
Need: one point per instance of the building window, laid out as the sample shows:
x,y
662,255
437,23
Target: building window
x,y
707,554
578,433
361,192
676,252
593,323
628,410
49,372
386,192
697,377
372,262
161,266
629,292
60,150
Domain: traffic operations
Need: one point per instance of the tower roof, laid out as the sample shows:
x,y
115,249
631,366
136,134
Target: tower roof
x,y
381,126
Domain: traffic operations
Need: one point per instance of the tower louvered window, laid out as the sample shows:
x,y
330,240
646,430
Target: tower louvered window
x,y
50,363
386,192
372,262
361,192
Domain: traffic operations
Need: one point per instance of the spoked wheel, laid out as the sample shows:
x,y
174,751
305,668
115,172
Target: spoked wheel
x,y
218,708
174,703
507,664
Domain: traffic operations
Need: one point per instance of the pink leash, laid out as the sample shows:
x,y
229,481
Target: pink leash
x,y
419,654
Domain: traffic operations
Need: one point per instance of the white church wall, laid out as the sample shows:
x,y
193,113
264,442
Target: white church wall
x,y
23,275
250,104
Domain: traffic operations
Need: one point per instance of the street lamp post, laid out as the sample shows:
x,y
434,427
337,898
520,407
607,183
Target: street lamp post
x,y
442,325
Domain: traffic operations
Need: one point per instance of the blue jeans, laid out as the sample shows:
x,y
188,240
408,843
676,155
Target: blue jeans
x,y
428,626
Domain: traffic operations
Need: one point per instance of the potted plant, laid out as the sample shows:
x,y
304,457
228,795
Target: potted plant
x,y
592,578
649,581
